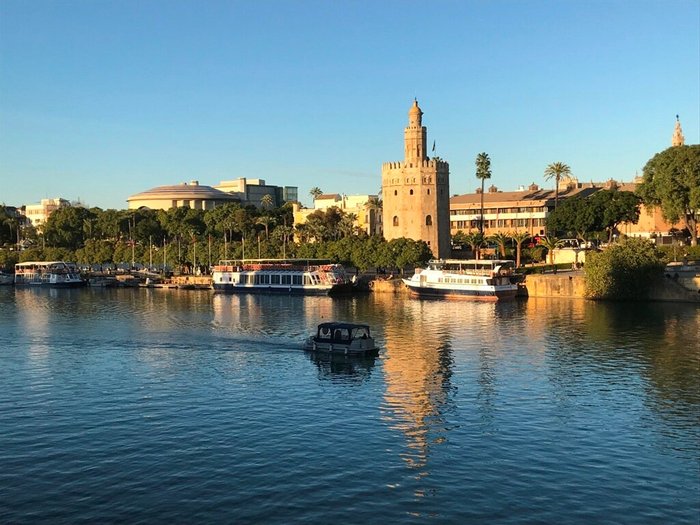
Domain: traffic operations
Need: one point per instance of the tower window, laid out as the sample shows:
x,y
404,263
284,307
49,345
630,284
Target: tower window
x,y
428,191
396,192
396,220
410,192
428,220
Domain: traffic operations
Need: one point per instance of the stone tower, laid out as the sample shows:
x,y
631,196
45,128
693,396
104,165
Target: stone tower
x,y
678,138
416,192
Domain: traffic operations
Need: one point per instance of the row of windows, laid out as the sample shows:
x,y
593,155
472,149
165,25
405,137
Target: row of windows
x,y
459,280
428,220
494,211
426,180
498,223
290,279
410,192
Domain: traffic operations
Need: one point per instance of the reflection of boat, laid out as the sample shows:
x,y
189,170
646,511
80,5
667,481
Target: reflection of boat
x,y
288,276
341,338
48,273
346,368
491,280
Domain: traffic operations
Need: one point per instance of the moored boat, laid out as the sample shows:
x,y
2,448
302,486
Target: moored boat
x,y
57,274
489,280
341,338
286,276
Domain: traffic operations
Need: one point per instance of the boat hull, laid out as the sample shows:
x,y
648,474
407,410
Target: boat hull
x,y
474,294
340,348
339,289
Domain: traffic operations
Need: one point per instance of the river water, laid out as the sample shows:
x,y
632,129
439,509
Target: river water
x,y
165,406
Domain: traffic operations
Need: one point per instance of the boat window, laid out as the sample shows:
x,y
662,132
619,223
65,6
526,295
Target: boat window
x,y
275,278
286,279
296,279
325,333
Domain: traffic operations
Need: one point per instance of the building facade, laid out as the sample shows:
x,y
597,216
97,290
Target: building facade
x,y
190,195
37,214
252,191
367,217
416,192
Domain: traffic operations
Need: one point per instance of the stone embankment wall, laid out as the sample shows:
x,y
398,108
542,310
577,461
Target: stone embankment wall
x,y
564,284
569,285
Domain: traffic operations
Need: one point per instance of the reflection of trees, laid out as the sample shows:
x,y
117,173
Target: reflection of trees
x,y
656,342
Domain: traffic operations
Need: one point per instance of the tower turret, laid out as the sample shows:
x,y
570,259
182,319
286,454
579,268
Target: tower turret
x,y
678,138
415,136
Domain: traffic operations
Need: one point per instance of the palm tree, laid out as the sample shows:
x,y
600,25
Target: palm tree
x,y
500,239
557,171
551,243
267,201
265,221
519,238
483,172
475,240
315,192
346,227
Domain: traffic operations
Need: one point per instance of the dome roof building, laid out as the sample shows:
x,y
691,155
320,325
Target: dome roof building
x,y
191,195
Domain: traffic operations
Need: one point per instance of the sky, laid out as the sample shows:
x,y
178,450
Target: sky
x,y
100,100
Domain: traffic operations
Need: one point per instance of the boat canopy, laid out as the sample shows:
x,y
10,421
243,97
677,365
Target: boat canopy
x,y
340,332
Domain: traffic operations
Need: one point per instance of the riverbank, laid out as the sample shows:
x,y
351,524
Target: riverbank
x,y
569,285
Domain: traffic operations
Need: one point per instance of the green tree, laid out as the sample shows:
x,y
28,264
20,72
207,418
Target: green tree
x,y
500,239
265,221
267,201
575,216
475,240
623,271
613,208
483,172
551,243
315,192
557,171
519,238
65,227
671,181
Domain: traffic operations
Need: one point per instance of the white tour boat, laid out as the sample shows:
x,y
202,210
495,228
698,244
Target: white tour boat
x,y
287,276
57,274
341,338
490,280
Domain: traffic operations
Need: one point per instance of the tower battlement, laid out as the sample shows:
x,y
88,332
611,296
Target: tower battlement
x,y
437,164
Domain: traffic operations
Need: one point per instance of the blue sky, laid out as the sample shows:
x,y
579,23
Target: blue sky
x,y
103,99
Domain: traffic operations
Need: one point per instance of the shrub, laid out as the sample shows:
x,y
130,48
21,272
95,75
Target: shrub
x,y
623,271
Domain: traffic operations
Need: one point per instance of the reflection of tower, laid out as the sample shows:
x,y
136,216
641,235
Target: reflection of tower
x,y
678,138
416,192
417,374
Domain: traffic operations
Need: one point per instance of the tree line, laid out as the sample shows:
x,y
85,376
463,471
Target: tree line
x,y
184,238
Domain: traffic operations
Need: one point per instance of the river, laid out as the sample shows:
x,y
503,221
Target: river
x,y
162,406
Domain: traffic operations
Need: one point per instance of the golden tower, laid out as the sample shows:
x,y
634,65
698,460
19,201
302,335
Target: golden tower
x,y
678,138
416,192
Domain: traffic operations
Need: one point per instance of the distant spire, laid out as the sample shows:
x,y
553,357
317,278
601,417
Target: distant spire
x,y
678,138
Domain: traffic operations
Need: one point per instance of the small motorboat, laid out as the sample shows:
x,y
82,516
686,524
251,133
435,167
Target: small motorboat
x,y
341,338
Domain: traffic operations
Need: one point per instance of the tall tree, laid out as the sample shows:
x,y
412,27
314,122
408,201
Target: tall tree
x,y
557,171
475,240
576,216
672,182
267,201
614,207
315,192
483,172
519,238
500,239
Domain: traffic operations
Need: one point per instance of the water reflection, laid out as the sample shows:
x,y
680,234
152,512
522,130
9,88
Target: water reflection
x,y
342,368
417,372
